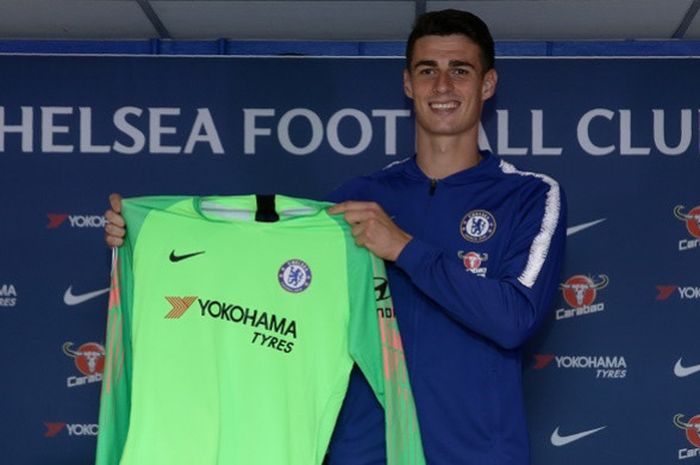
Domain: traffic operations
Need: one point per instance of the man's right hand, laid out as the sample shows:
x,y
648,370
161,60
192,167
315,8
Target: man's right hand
x,y
115,229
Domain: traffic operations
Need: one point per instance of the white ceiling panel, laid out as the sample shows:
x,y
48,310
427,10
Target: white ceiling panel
x,y
280,20
576,19
73,19
349,20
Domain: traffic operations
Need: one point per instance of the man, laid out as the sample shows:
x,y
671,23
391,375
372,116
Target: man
x,y
473,249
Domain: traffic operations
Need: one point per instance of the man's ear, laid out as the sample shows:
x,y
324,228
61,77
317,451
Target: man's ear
x,y
407,84
488,87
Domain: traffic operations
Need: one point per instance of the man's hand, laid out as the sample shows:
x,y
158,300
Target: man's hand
x,y
372,228
115,230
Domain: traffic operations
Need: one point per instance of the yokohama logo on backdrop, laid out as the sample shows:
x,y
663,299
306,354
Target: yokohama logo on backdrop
x,y
8,295
667,291
580,294
54,429
604,366
691,218
56,220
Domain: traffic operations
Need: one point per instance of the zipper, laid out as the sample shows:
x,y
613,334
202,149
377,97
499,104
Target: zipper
x,y
433,186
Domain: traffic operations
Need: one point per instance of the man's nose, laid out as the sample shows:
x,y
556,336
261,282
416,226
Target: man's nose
x,y
443,83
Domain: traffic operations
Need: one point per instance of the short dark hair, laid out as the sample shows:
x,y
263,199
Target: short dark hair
x,y
448,22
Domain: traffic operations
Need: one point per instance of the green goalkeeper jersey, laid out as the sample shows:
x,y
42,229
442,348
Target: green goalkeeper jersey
x,y
230,340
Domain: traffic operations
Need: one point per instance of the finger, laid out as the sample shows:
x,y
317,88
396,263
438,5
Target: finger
x,y
360,240
337,208
114,218
358,230
359,216
114,231
351,205
113,241
115,200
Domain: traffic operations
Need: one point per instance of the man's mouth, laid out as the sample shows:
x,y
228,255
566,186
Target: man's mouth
x,y
444,105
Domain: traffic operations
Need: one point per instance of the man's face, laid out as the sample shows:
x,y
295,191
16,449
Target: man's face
x,y
448,85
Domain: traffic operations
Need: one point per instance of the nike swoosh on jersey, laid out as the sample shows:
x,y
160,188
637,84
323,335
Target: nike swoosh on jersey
x,y
71,299
559,441
176,258
580,227
681,371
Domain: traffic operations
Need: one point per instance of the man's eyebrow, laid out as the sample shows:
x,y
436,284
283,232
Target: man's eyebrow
x,y
451,63
425,63
457,63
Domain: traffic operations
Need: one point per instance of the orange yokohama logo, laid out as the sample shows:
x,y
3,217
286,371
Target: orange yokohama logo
x,y
180,306
53,428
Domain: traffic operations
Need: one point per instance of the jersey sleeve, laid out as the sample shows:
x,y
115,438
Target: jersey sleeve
x,y
506,307
375,344
115,399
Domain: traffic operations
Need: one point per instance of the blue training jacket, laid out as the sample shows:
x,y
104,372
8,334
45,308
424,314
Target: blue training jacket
x,y
469,289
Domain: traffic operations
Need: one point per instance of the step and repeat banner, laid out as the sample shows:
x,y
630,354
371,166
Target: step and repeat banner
x,y
612,378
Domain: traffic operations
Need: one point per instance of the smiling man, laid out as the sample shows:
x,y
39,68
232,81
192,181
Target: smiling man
x,y
473,248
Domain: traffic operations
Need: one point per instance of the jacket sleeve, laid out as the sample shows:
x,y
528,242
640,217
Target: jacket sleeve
x,y
508,306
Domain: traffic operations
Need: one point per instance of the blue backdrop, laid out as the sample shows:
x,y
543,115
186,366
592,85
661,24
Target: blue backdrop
x,y
613,376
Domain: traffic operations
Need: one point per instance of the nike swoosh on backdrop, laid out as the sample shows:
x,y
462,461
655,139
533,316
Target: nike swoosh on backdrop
x,y
176,258
559,441
71,299
681,371
580,227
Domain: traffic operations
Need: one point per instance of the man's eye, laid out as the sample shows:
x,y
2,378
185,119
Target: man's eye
x,y
460,71
426,71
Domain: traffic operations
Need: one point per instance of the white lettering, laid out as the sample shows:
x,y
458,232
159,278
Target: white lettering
x,y
316,131
84,221
660,133
538,147
626,136
86,133
157,130
581,361
688,453
503,148
583,132
204,122
250,130
483,139
26,128
687,244
689,292
390,117
564,313
365,131
74,381
82,430
48,129
611,374
139,140
130,134
7,290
